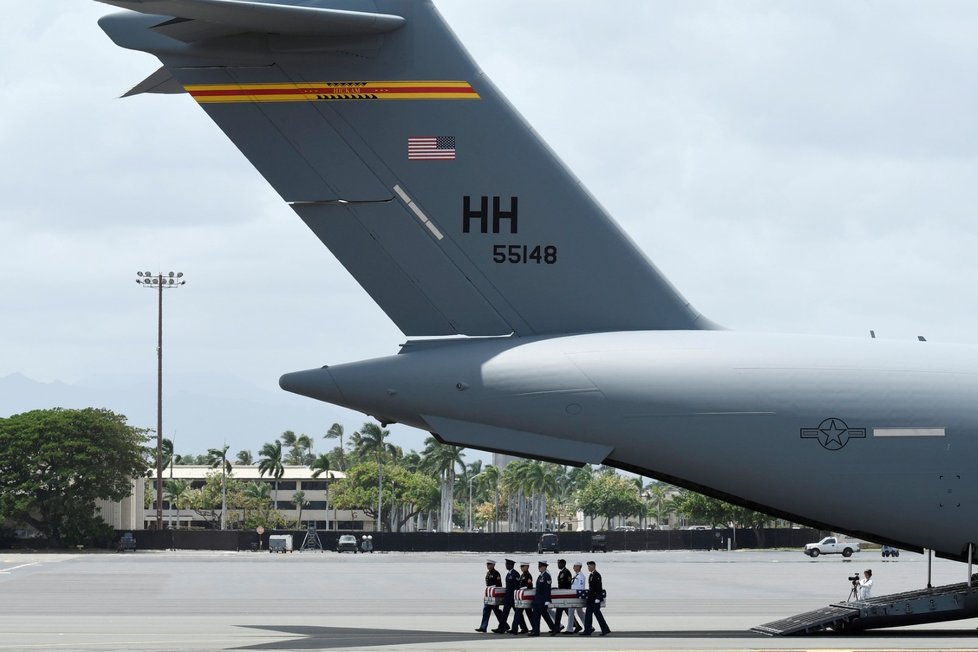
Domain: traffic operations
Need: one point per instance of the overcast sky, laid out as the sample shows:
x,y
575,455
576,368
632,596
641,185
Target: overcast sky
x,y
790,166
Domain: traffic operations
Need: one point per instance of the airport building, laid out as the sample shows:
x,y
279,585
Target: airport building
x,y
130,513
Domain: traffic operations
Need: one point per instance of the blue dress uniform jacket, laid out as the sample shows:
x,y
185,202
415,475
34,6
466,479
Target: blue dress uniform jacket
x,y
542,595
512,583
540,600
519,622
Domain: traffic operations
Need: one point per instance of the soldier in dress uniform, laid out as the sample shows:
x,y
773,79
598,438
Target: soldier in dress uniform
x,y
512,583
565,580
579,584
595,593
492,579
526,582
541,601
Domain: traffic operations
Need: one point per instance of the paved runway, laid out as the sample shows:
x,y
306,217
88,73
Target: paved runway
x,y
419,601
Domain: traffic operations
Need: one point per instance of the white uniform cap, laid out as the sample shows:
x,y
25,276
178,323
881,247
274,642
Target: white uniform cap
x,y
577,563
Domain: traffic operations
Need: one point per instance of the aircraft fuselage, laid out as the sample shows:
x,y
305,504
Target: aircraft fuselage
x,y
870,437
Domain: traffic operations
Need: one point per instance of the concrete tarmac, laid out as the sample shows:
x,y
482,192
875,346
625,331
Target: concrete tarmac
x,y
187,600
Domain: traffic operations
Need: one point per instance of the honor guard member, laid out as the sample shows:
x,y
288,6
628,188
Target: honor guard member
x,y
595,593
492,579
564,581
541,601
512,583
526,582
579,584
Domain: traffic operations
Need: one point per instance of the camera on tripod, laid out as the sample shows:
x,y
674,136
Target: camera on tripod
x,y
854,579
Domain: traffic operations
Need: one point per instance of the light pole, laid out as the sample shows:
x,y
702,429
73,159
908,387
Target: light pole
x,y
380,488
159,282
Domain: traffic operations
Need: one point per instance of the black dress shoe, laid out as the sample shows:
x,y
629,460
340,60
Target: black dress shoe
x,y
533,634
584,634
605,633
479,629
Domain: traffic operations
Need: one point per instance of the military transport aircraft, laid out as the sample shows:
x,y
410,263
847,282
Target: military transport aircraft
x,y
371,120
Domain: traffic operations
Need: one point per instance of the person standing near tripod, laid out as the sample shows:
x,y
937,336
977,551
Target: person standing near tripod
x,y
866,585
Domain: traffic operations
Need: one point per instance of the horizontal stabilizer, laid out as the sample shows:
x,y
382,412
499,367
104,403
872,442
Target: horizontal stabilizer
x,y
160,81
516,442
266,18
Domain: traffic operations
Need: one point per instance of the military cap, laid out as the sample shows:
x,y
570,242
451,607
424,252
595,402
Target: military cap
x,y
491,561
542,563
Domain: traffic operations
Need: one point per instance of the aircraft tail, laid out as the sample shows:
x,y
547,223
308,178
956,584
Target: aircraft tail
x,y
373,122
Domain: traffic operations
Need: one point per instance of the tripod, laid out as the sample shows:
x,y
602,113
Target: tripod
x,y
854,591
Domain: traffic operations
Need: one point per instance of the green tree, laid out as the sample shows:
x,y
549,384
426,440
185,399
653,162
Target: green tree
x,y
218,457
245,458
167,445
319,466
299,500
609,495
662,503
173,491
441,460
371,442
55,464
336,432
270,462
218,499
703,509
406,494
257,507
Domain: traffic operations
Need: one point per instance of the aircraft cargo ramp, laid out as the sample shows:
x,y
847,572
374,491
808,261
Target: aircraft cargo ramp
x,y
937,604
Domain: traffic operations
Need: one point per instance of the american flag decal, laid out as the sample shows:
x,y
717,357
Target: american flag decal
x,y
431,148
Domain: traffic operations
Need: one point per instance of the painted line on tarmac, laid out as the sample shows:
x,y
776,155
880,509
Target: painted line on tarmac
x,y
5,571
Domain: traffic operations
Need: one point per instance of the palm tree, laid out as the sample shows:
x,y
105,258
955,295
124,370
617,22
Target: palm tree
x,y
319,466
288,439
271,462
219,457
167,452
173,491
515,488
490,480
441,459
245,457
661,502
299,500
256,494
303,449
336,432
470,473
259,492
370,441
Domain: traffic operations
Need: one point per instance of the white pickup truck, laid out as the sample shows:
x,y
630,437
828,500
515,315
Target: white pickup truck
x,y
831,546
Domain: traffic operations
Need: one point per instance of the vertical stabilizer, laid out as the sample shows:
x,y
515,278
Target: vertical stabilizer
x,y
401,156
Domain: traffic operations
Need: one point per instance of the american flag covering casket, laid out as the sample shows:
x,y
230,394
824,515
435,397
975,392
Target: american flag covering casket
x,y
559,598
494,596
